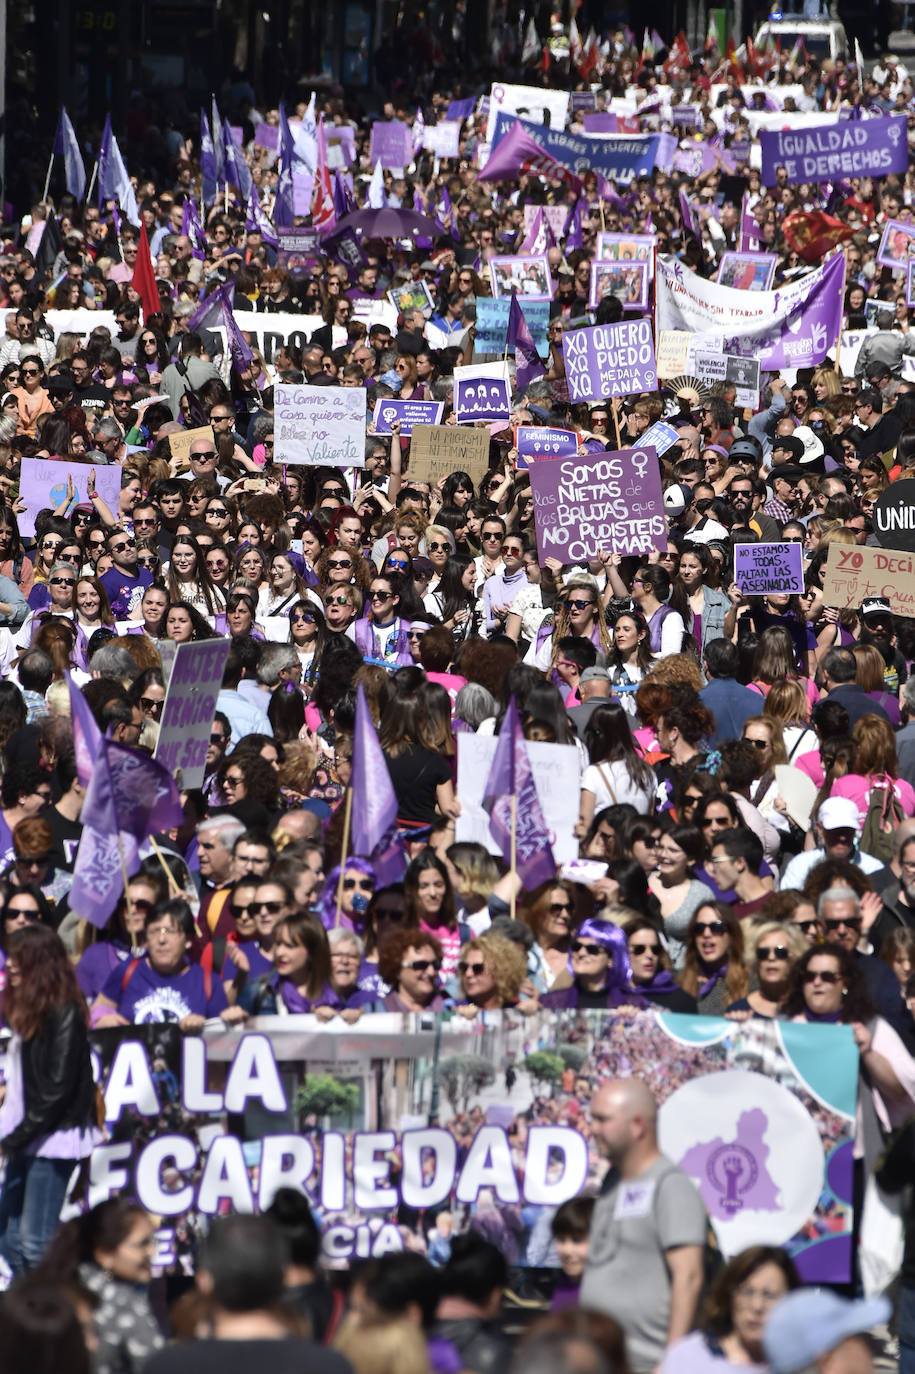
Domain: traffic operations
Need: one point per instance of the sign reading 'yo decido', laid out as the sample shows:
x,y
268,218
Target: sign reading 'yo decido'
x,y
855,575
894,516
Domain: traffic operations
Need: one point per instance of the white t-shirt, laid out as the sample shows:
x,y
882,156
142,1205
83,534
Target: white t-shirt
x,y
600,778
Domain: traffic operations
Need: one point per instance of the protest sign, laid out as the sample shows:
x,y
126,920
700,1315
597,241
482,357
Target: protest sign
x,y
319,425
528,275
371,1123
267,136
554,767
761,569
180,444
482,392
610,360
672,352
627,281
190,704
536,102
619,159
303,184
43,485
855,573
600,122
409,413
415,295
539,441
438,450
699,157
747,271
492,323
443,139
897,245
391,144
556,216
297,251
826,152
743,375
660,437
597,502
894,516
795,326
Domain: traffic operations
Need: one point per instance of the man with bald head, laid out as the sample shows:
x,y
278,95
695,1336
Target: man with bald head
x,y
644,1264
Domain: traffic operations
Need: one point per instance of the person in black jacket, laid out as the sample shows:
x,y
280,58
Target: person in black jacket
x,y
48,1114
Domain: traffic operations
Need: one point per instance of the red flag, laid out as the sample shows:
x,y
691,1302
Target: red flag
x,y
679,55
144,278
545,60
323,214
811,234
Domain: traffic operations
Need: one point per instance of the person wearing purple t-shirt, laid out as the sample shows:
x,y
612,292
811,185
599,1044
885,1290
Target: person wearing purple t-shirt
x,y
161,985
119,940
123,584
301,978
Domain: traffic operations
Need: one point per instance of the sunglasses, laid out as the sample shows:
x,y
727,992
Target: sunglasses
x,y
824,975
363,884
274,908
850,923
807,926
556,907
147,561
492,536
772,952
380,596
339,563
710,928
303,618
30,372
638,948
141,519
62,582
439,548
235,781
336,601
475,969
127,544
586,947
216,510
204,453
756,743
81,519
149,705
513,550
424,965
247,911
218,739
217,564
397,563
576,604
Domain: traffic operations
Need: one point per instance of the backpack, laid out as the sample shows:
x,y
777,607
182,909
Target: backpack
x,y
884,815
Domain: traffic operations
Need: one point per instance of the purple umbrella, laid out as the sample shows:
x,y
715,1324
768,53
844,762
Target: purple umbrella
x,y
388,224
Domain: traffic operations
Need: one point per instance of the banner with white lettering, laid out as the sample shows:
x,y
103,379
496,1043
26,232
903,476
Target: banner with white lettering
x,y
392,1123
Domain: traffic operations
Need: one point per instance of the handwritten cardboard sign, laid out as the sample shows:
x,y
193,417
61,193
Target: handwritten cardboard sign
x,y
482,392
323,426
855,573
43,485
190,705
438,450
180,444
409,413
596,502
610,360
761,569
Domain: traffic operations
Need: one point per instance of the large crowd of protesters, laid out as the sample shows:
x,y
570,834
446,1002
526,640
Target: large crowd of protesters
x,y
746,764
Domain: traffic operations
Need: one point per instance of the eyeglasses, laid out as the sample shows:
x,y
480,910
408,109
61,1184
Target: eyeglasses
x,y
30,372
514,550
710,928
148,560
217,564
756,743
339,563
576,604
586,947
825,975
474,969
62,582
233,780
363,884
274,908
772,952
638,948
425,965
142,519
760,1295
336,601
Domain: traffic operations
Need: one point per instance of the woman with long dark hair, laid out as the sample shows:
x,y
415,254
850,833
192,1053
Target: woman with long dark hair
x,y
48,1116
429,905
714,971
651,971
617,773
630,659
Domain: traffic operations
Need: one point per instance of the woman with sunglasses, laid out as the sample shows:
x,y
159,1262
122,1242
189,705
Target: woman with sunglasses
x,y
410,964
765,737
49,545
453,601
58,593
218,565
660,605
651,971
355,893
578,612
600,974
714,971
491,970
307,631
411,388
220,515
673,883
772,949
31,397
189,581
342,604
381,634
14,562
550,912
152,353
148,557
148,692
338,566
102,948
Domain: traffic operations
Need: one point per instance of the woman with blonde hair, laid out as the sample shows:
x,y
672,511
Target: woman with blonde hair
x,y
765,736
491,969
825,382
578,612
772,947
474,873
787,704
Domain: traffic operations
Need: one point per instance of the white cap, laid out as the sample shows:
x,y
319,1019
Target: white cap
x,y
839,813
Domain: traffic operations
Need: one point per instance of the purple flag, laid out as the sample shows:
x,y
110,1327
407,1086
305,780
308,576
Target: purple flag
x,y
210,310
236,166
209,179
87,737
690,220
219,144
574,237
98,875
66,145
519,152
374,822
510,776
284,204
130,791
192,228
241,353
527,359
256,220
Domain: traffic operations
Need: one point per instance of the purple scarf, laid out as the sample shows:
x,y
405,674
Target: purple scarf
x,y
709,983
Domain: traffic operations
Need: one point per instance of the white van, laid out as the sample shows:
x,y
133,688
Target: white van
x,y
821,37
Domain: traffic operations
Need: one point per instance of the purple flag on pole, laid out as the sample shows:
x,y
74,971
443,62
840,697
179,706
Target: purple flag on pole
x,y
284,205
374,819
219,146
241,353
527,359
511,776
257,221
192,228
87,737
209,311
209,179
236,166
573,230
130,791
519,152
66,145
98,878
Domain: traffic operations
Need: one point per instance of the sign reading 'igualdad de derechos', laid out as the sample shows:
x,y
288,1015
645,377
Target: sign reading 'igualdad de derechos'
x,y
848,148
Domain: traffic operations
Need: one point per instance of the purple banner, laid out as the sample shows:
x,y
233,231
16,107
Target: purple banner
x,y
599,122
267,136
392,144
596,502
409,413
854,148
539,441
697,158
764,569
610,360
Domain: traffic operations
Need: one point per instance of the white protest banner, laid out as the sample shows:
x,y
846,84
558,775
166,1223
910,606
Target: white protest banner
x,y
482,392
443,139
610,360
43,485
533,102
323,426
555,769
854,574
795,326
80,322
764,569
849,346
598,502
190,704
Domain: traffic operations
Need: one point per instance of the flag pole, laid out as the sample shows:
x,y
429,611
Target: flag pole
x,y
347,817
91,182
172,881
513,860
614,406
47,180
